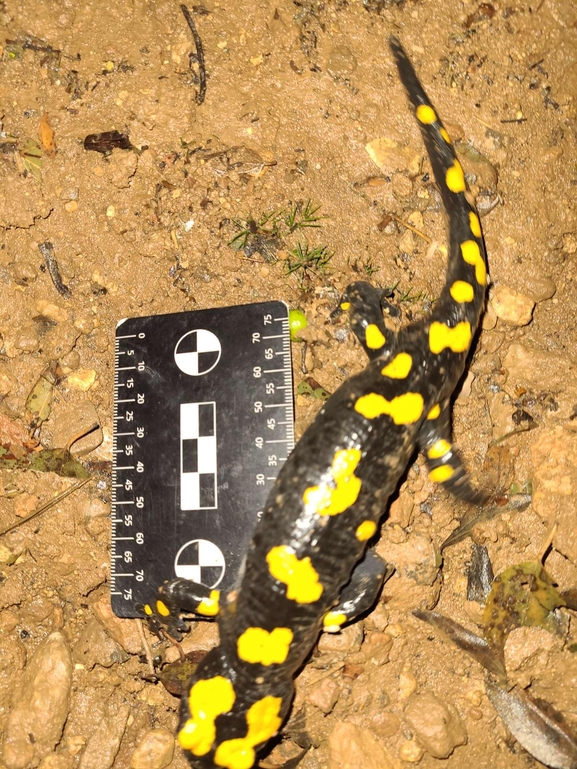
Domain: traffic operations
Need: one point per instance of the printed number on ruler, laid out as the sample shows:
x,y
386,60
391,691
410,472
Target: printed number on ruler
x,y
203,423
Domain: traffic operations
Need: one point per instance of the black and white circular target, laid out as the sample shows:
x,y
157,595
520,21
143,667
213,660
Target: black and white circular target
x,y
200,561
197,352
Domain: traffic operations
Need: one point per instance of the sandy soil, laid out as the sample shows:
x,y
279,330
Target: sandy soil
x,y
295,92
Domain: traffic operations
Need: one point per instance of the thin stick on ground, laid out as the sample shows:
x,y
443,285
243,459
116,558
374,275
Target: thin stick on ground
x,y
199,54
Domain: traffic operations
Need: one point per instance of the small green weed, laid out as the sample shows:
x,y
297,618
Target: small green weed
x,y
304,261
272,231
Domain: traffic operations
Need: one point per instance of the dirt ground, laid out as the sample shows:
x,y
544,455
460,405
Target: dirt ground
x,y
295,92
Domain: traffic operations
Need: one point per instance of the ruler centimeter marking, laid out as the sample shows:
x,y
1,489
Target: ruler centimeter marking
x,y
204,420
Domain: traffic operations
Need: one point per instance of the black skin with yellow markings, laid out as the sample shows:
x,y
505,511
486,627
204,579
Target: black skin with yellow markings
x,y
380,445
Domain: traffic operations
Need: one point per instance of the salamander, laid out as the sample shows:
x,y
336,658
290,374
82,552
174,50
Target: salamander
x,y
308,567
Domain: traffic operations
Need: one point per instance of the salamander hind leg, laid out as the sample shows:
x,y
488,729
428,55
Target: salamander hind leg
x,y
364,303
443,460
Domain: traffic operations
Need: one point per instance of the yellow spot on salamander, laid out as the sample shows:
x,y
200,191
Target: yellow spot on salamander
x,y
462,291
425,114
475,224
208,607
263,722
404,409
445,135
455,179
441,474
435,412
399,367
472,255
257,646
365,530
299,575
147,610
456,339
333,620
374,337
439,449
162,609
338,494
208,698
345,306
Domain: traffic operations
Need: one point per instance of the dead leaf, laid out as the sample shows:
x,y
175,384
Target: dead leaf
x,y
479,574
537,727
46,135
469,642
522,596
31,155
39,401
59,461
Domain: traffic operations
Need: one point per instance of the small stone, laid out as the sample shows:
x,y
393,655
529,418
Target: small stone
x,y
95,647
71,206
82,380
512,306
407,684
77,419
123,631
51,311
154,751
554,460
348,640
539,287
411,752
102,745
341,61
402,186
40,705
436,724
110,212
24,504
377,647
407,242
389,155
352,747
324,695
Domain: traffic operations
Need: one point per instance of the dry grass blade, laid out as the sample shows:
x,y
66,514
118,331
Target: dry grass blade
x,y
46,506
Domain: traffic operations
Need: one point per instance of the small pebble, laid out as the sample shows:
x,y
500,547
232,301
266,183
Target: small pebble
x,y
40,705
436,724
512,306
82,380
154,751
411,752
71,206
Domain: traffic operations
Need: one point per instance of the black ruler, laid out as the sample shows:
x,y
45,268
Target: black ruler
x,y
203,422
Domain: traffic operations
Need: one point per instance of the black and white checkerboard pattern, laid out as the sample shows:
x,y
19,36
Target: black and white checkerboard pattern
x,y
198,456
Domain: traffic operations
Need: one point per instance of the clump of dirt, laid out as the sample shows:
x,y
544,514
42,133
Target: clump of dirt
x,y
302,106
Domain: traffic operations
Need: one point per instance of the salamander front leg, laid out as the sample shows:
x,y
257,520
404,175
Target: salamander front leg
x,y
360,593
365,304
443,460
176,596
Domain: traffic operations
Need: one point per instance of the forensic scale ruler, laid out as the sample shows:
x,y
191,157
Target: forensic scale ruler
x,y
203,417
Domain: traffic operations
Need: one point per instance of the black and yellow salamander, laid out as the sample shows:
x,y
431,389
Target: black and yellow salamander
x,y
307,568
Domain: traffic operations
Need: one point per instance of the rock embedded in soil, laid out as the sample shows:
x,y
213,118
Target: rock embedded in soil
x,y
102,746
435,724
40,706
352,747
512,306
554,459
154,751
